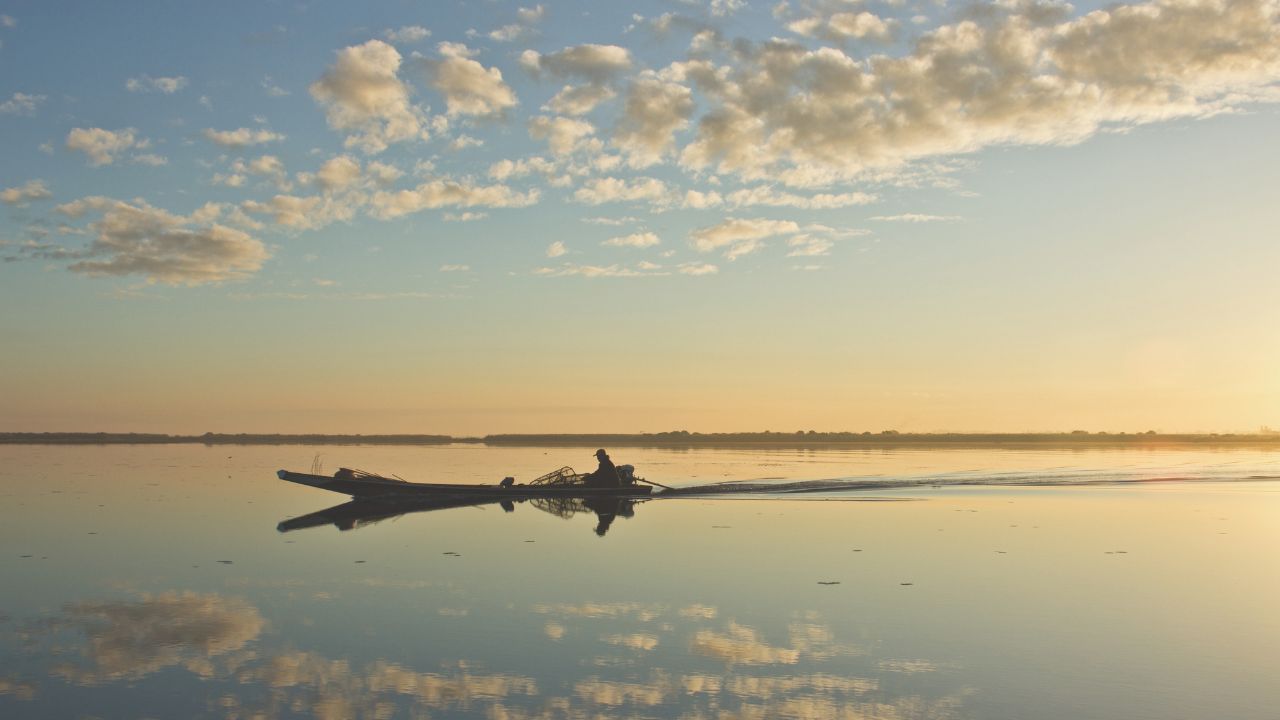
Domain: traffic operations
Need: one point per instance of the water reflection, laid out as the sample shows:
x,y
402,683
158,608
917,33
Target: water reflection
x,y
360,513
695,666
125,640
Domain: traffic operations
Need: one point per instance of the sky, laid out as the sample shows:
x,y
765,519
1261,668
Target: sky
x,y
482,217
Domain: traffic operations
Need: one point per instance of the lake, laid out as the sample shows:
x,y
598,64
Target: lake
x,y
164,582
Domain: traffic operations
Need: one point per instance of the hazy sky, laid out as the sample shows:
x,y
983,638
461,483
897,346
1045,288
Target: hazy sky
x,y
484,217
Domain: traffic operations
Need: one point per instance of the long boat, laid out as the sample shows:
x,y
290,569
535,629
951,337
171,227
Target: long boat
x,y
366,485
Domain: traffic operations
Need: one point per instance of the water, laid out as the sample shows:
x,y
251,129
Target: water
x,y
151,581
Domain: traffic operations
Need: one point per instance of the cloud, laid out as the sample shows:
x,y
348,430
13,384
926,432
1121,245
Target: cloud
x,y
8,21
21,104
467,216
126,640
139,239
307,212
407,34
454,268
23,194
151,159
146,83
635,240
844,26
653,111
597,63
363,96
468,87
503,169
599,271
740,236
767,196
448,193
507,33
338,173
563,135
241,137
808,246
272,89
598,191
103,146
556,249
580,99
531,15
697,269
1014,74
916,218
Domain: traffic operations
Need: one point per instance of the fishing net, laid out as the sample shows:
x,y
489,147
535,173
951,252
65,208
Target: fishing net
x,y
563,476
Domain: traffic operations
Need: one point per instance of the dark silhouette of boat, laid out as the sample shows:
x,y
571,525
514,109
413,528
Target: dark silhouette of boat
x,y
562,483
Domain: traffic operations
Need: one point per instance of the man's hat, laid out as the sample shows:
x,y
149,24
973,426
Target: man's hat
x,y
601,452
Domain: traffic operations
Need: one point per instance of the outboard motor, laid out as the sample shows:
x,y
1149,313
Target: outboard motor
x,y
627,474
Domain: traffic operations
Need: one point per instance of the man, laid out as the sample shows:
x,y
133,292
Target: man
x,y
605,476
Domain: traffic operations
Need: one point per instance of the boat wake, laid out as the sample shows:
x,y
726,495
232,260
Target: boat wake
x,y
880,483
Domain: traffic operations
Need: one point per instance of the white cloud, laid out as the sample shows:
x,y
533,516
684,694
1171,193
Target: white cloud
x,y
338,173
8,21
241,137
382,173
468,87
504,169
146,83
556,249
598,271
845,25
808,246
721,8
272,89
531,15
597,63
916,218
462,142
697,269
21,104
612,221
598,191
23,194
507,33
635,240
467,216
151,159
1016,74
103,146
579,100
563,135
407,34
305,212
740,236
448,193
654,110
138,239
454,268
363,96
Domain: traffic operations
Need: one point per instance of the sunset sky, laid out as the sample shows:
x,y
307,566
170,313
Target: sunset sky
x,y
475,217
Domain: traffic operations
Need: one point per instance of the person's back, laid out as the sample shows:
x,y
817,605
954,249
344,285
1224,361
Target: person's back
x,y
605,476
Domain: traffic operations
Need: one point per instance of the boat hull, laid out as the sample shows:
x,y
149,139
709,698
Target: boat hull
x,y
374,487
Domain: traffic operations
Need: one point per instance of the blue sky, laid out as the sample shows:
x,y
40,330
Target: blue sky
x,y
484,217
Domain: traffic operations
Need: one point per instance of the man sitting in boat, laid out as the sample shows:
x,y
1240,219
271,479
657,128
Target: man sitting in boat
x,y
605,476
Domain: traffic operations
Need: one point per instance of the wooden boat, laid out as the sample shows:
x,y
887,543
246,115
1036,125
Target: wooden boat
x,y
365,485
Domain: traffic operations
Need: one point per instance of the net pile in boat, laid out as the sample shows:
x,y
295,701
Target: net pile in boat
x,y
563,476
351,474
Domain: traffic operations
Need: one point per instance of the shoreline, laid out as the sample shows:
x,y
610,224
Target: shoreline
x,y
679,440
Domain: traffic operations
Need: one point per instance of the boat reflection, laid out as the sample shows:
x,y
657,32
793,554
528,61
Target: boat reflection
x,y
359,513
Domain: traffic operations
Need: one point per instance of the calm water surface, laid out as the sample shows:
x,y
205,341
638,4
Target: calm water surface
x,y
152,582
